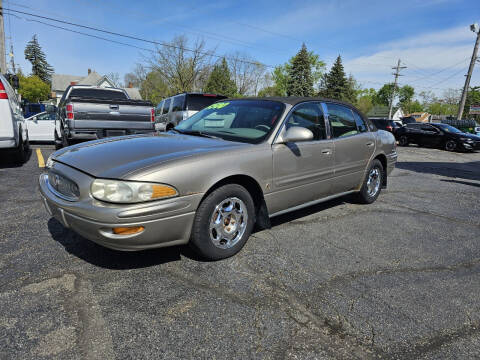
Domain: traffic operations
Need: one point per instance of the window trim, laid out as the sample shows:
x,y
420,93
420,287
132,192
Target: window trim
x,y
353,117
290,112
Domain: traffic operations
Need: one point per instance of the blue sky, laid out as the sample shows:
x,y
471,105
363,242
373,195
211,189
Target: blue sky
x,y
431,37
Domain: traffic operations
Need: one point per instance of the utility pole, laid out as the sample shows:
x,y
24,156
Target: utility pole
x,y
475,29
3,64
12,59
397,74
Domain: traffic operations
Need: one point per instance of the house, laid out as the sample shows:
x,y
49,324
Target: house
x,y
381,112
421,116
61,82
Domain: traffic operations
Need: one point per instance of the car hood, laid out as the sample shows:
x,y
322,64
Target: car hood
x,y
114,158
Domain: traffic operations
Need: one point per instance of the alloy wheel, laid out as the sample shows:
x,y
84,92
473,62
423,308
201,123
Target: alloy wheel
x,y
373,182
228,222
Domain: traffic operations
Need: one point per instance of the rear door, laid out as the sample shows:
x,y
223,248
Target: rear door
x,y
303,171
354,145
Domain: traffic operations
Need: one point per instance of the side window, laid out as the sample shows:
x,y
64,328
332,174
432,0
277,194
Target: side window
x,y
308,115
361,126
166,105
178,102
158,109
341,121
45,116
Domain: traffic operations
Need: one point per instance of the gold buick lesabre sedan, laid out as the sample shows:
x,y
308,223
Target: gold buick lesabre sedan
x,y
208,181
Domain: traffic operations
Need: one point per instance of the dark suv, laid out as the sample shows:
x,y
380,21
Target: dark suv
x,y
386,124
437,135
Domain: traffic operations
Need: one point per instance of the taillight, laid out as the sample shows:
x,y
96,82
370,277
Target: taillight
x,y
389,128
69,108
3,92
152,115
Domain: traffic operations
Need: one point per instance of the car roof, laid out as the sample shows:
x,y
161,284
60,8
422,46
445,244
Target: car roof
x,y
293,100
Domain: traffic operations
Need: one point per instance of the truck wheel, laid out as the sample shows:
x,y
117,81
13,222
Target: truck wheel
x,y
372,185
223,222
169,127
58,142
65,141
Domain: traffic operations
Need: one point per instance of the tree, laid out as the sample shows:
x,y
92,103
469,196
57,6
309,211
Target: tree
x,y
405,94
246,72
182,66
32,88
473,98
300,79
40,66
154,88
384,94
220,81
336,85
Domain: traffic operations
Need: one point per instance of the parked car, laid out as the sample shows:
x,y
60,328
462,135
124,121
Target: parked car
x,y
41,126
437,135
408,120
477,130
171,111
13,130
385,124
233,164
90,112
31,109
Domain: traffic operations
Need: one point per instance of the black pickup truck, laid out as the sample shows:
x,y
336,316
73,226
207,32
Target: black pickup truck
x,y
90,112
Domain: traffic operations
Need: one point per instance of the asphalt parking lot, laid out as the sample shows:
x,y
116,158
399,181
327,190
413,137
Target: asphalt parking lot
x,y
398,279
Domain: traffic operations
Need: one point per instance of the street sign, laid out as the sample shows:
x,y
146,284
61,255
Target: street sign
x,y
474,110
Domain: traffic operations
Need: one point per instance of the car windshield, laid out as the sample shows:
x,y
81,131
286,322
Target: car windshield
x,y
449,129
249,121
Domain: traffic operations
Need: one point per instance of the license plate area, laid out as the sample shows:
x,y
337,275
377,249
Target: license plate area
x,y
111,133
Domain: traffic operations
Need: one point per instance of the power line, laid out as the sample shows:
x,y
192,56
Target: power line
x,y
157,43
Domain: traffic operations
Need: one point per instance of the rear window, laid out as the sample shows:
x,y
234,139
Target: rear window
x,y
99,94
197,102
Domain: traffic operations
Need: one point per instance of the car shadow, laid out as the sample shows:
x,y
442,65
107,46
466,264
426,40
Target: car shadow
x,y
468,171
463,182
7,160
113,259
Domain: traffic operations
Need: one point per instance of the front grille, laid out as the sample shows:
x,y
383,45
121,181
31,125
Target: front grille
x,y
63,187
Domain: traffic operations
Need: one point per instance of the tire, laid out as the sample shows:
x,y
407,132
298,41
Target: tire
x,y
403,140
231,210
372,185
57,141
21,154
169,127
65,141
450,145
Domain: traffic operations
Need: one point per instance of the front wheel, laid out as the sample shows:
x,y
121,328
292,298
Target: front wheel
x,y
223,222
403,140
372,185
450,145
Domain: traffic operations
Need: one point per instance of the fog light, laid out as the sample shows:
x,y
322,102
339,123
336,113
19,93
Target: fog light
x,y
128,230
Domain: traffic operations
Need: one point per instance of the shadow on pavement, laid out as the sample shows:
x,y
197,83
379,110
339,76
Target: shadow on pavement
x,y
112,259
469,170
463,182
7,160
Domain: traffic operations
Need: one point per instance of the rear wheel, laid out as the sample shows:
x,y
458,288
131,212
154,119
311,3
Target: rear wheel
x,y
450,145
372,184
169,127
223,222
65,141
403,140
21,153
57,140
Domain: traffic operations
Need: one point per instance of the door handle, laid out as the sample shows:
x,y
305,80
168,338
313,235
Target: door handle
x,y
326,151
369,143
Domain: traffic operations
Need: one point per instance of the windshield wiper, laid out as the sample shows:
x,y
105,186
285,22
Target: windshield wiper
x,y
195,133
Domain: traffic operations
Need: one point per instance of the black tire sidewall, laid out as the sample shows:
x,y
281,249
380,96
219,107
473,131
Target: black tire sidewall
x,y
403,143
450,141
200,237
363,194
21,154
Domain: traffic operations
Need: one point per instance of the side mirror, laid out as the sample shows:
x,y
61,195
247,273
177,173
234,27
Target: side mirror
x,y
296,134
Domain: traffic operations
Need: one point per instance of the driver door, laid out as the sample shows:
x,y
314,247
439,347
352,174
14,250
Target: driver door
x,y
302,171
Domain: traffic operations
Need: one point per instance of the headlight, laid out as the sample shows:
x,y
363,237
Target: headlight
x,y
466,139
130,192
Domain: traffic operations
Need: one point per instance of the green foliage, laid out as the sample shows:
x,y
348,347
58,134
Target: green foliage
x,y
40,66
411,107
405,94
473,98
153,87
280,75
384,94
33,89
220,80
300,80
441,108
336,85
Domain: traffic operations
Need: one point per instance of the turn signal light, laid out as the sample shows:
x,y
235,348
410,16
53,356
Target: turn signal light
x,y
159,191
128,230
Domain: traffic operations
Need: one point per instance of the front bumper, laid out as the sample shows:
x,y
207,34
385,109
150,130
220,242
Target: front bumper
x,y
391,161
166,223
470,146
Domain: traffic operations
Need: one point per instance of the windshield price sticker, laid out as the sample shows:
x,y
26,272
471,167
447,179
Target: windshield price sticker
x,y
218,105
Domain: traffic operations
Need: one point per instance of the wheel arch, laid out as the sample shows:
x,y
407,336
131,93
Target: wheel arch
x,y
253,187
383,160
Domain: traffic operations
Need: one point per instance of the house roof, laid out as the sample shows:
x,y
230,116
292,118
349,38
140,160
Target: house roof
x,y
92,79
60,82
133,93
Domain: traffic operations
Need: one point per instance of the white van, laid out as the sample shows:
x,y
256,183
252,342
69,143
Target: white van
x,y
13,129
